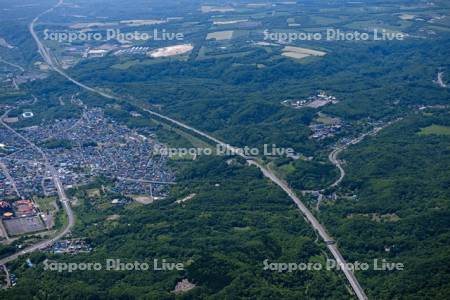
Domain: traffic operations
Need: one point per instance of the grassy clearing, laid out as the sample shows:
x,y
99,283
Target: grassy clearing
x,y
325,119
220,35
299,53
93,193
145,62
319,20
379,25
435,129
126,65
218,9
195,141
376,217
192,141
203,54
46,204
439,28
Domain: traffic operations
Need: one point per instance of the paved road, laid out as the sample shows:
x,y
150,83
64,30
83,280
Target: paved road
x,y
8,277
310,217
43,51
440,80
10,179
333,157
335,161
145,181
306,212
62,197
319,228
12,65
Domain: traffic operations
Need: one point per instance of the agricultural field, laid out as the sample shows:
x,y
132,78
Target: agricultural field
x,y
220,35
299,53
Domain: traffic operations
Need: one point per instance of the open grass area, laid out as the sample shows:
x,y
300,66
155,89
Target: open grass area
x,y
299,53
435,129
93,193
325,119
220,35
205,54
379,25
143,62
126,65
47,203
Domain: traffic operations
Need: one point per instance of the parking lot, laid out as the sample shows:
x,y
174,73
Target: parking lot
x,y
18,226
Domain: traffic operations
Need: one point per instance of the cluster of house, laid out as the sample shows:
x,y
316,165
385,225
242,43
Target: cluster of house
x,y
22,177
98,145
71,246
93,145
322,131
7,279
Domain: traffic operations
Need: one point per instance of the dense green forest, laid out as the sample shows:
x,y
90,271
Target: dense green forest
x,y
402,213
241,102
236,220
393,203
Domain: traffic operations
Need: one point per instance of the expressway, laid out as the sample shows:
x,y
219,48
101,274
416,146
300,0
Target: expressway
x,y
269,174
305,211
62,197
319,228
43,51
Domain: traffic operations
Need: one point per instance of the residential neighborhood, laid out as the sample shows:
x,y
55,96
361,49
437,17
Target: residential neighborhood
x,y
80,149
